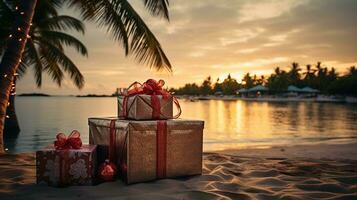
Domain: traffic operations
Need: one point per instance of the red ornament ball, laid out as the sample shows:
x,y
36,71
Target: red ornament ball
x,y
107,171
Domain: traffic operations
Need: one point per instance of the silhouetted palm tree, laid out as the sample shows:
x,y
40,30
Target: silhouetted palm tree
x,y
352,71
294,74
44,50
117,16
277,70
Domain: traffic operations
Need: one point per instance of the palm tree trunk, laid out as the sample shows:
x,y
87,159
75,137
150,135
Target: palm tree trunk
x,y
11,128
11,58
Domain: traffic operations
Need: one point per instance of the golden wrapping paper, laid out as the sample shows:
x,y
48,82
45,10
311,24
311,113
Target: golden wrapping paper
x,y
140,108
136,147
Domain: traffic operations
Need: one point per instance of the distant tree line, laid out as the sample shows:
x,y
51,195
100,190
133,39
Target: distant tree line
x,y
326,80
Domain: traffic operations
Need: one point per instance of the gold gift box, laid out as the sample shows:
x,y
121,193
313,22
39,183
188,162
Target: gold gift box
x,y
136,147
139,107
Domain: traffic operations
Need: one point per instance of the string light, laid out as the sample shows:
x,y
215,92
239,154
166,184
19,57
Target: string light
x,y
13,85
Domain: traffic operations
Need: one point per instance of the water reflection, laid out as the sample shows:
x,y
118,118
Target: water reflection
x,y
229,124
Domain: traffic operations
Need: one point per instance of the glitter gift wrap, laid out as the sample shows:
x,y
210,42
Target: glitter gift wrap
x,y
66,167
154,149
142,107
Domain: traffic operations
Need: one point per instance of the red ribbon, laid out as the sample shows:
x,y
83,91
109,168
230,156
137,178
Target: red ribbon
x,y
153,88
112,141
73,141
161,151
108,170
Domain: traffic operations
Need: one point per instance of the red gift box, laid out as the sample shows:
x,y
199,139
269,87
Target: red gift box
x,y
66,167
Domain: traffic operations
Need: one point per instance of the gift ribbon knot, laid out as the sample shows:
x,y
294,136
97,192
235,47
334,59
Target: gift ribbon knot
x,y
73,141
153,88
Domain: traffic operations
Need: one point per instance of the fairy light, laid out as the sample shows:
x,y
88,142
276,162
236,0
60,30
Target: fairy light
x,y
20,39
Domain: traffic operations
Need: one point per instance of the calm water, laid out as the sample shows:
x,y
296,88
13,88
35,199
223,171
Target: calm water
x,y
229,124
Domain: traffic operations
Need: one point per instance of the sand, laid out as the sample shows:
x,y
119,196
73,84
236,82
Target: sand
x,y
322,171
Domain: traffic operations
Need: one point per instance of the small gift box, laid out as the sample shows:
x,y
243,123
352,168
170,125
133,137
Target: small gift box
x,y
149,150
147,101
66,162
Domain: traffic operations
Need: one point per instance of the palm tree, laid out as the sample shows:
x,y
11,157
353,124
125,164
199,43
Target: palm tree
x,y
352,71
294,73
248,81
277,71
309,76
118,16
44,51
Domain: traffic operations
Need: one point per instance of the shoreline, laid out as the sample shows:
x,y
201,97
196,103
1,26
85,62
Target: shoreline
x,y
318,99
193,98
317,171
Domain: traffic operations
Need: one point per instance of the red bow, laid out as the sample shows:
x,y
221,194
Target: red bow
x,y
73,141
150,87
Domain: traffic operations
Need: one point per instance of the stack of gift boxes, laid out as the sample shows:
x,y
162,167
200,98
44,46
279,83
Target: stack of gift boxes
x,y
145,142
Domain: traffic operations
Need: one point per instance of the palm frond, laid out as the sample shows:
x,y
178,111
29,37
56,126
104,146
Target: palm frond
x,y
104,14
63,22
158,7
58,56
144,44
47,8
59,38
125,25
22,69
35,60
53,69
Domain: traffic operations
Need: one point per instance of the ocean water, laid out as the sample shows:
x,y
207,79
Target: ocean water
x,y
228,124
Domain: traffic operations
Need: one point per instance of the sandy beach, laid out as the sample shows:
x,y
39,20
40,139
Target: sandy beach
x,y
319,171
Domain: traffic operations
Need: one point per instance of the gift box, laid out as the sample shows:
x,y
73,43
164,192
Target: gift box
x,y
149,150
143,107
66,167
147,101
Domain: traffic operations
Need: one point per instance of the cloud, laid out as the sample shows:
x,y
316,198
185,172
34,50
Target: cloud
x,y
205,38
266,9
241,35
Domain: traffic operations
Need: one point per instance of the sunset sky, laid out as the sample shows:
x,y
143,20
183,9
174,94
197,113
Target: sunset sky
x,y
217,37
